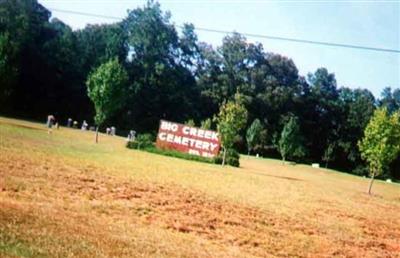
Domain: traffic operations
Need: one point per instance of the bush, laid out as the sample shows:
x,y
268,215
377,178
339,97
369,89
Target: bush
x,y
142,141
232,158
177,154
361,170
146,142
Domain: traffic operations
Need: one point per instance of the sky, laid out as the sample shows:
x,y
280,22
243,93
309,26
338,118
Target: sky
x,y
365,23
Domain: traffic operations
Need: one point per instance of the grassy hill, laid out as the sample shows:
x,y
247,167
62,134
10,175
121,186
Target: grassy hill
x,y
62,195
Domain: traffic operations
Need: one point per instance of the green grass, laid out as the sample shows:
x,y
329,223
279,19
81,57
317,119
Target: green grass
x,y
102,200
13,246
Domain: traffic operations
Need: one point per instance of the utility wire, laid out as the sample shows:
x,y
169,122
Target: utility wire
x,y
296,40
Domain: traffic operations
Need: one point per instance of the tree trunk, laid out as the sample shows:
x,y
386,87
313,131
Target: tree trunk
x,y
371,182
223,157
248,152
97,134
326,164
283,160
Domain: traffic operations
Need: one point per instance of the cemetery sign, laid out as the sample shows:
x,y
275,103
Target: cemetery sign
x,y
187,139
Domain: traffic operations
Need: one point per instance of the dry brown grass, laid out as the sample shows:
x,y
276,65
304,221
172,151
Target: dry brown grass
x,y
61,195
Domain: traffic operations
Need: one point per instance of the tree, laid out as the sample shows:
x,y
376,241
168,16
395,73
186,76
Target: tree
x,y
106,88
100,43
24,30
356,109
66,92
381,142
328,154
44,66
162,86
190,123
206,124
390,100
322,119
8,72
209,83
290,144
190,56
253,134
231,119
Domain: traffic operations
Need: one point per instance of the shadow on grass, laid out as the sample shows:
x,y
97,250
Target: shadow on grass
x,y
22,126
280,177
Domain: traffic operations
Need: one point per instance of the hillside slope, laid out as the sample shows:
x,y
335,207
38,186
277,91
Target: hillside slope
x,y
63,195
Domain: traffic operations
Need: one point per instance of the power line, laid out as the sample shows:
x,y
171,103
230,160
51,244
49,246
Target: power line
x,y
296,40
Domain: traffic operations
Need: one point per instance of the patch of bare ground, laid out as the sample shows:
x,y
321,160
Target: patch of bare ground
x,y
53,205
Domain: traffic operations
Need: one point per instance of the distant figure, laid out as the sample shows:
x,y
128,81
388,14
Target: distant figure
x,y
75,124
113,130
69,122
57,126
50,123
131,136
84,125
108,131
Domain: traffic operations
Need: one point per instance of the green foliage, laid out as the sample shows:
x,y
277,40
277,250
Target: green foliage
x,y
253,134
177,154
230,120
164,86
324,111
361,170
142,141
8,71
145,142
390,99
11,245
324,83
44,67
328,154
100,43
291,142
107,89
232,158
357,107
190,122
206,124
188,43
381,142
24,29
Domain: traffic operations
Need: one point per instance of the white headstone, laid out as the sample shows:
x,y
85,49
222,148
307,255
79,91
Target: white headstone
x,y
315,165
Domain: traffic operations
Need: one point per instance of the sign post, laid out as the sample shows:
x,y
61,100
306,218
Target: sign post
x,y
187,139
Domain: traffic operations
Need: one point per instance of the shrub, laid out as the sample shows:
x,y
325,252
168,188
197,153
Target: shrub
x,y
361,170
232,158
142,141
177,154
146,142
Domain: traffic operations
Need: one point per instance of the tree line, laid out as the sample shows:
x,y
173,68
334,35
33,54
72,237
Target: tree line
x,y
166,73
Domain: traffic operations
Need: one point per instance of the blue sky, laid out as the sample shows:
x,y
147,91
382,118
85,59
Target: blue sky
x,y
366,23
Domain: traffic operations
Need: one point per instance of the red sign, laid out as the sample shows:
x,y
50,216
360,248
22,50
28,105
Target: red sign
x,y
187,139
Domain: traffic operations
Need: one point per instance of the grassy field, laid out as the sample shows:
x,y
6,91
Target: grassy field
x,y
62,195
